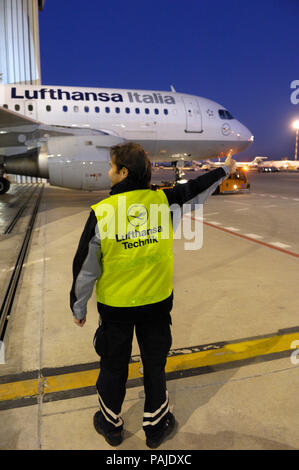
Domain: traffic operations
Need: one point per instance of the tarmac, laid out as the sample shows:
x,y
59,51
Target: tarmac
x,y
233,369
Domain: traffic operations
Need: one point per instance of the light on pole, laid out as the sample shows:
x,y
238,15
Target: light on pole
x,y
296,127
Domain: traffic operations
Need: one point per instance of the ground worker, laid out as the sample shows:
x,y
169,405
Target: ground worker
x,y
131,263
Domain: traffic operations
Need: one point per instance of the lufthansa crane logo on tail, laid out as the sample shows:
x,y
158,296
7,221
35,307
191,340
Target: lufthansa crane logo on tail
x,y
137,215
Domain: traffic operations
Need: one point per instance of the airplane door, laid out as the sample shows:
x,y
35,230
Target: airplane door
x,y
193,115
30,109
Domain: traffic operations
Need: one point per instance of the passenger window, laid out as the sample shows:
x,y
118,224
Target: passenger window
x,y
17,107
64,108
5,106
117,110
137,110
48,108
147,111
166,111
156,111
86,109
76,109
128,110
107,109
30,107
97,109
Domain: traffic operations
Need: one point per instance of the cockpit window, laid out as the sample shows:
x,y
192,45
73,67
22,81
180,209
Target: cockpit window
x,y
224,114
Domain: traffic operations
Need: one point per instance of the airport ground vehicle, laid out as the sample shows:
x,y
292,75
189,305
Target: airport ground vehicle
x,y
236,183
267,169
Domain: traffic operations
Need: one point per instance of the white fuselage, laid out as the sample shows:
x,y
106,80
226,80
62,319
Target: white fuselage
x,y
283,164
169,125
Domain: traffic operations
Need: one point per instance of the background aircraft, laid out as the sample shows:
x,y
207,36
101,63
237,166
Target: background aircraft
x,y
282,164
254,164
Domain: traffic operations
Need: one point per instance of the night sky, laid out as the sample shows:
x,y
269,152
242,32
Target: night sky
x,y
242,54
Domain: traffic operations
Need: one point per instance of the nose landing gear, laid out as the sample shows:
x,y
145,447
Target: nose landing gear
x,y
178,172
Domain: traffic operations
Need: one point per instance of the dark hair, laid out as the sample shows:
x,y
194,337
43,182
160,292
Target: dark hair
x,y
133,157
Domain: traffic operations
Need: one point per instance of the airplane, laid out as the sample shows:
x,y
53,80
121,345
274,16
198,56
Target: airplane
x,y
254,164
64,134
282,164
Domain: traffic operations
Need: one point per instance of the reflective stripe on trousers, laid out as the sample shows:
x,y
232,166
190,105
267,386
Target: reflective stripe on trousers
x,y
113,342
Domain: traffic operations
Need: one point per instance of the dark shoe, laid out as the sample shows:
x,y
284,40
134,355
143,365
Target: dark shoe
x,y
114,438
159,436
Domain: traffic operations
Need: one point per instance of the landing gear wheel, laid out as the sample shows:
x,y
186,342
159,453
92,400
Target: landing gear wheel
x,y
4,185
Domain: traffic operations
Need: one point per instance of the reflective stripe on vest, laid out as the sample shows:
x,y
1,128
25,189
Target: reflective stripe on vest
x,y
136,245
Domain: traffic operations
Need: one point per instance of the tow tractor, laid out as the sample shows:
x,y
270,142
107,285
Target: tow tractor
x,y
236,183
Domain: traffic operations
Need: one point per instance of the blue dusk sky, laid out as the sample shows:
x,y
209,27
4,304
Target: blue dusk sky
x,y
242,54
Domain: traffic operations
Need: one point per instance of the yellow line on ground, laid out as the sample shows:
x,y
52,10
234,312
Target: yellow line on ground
x,y
57,383
86,378
21,389
75,380
232,352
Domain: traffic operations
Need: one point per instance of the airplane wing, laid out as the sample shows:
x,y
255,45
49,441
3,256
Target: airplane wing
x,y
9,119
19,133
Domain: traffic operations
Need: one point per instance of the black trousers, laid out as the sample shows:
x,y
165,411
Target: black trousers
x,y
113,342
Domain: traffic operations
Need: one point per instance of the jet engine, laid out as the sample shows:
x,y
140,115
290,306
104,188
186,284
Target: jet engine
x,y
73,161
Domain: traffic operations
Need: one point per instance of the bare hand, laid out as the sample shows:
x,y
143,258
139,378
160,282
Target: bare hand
x,y
231,164
80,322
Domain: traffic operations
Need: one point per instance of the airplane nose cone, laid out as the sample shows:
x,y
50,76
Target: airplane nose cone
x,y
248,134
244,136
251,138
244,133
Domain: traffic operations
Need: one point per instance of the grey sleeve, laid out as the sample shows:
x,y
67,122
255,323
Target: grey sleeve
x,y
90,271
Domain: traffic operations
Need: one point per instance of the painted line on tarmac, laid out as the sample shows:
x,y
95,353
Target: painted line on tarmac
x,y
245,237
30,388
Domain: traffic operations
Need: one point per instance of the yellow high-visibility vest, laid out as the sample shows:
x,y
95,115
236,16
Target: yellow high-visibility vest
x,y
136,235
